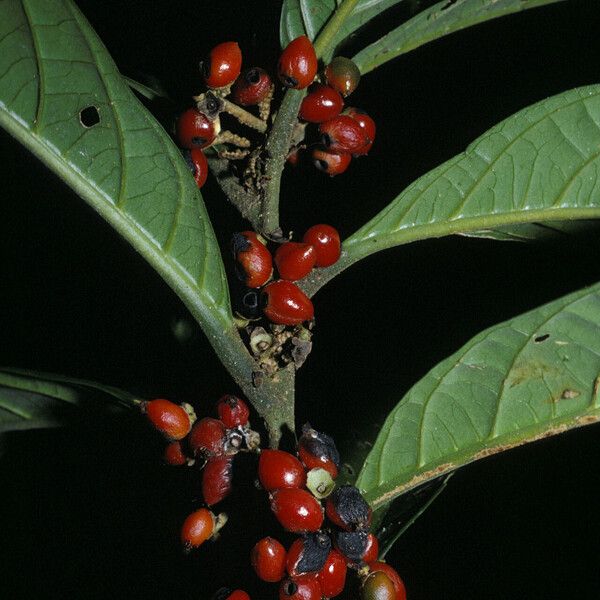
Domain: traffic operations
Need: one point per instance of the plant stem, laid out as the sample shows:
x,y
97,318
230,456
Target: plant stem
x,y
325,38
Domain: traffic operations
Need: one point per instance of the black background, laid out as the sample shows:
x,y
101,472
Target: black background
x,y
88,512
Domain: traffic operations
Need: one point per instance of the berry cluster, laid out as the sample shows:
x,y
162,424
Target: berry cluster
x,y
231,90
315,565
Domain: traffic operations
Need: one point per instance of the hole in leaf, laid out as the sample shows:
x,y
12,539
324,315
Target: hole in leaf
x,y
541,338
89,116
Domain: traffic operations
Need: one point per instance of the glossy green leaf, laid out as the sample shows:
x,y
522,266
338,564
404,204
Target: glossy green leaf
x,y
30,400
534,376
437,21
539,166
63,97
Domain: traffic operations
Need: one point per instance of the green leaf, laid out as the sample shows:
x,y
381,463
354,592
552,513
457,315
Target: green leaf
x,y
529,378
539,166
437,21
56,81
30,400
304,17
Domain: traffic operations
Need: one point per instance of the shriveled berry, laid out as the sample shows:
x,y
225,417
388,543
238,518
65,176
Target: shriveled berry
x,y
208,436
199,166
308,554
195,129
372,551
377,586
197,528
297,510
223,65
321,104
268,559
332,576
351,544
343,134
251,87
304,587
174,454
254,264
168,418
391,573
233,411
285,303
217,479
343,75
295,260
279,469
297,65
332,163
317,449
348,509
366,123
326,241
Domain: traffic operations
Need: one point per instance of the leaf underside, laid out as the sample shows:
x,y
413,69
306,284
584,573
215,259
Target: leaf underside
x,y
534,173
31,400
63,97
528,378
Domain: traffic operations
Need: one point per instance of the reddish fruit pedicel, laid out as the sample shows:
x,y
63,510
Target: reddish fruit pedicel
x,y
208,436
332,163
223,65
295,260
268,559
194,129
233,411
279,469
321,104
332,577
297,510
199,166
305,587
254,264
168,418
286,304
217,479
343,134
197,528
326,241
251,87
297,65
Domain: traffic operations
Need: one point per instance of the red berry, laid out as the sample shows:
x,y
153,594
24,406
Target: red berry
x,y
393,577
321,104
238,595
279,469
308,554
377,586
174,454
297,65
331,163
326,241
233,411
343,134
208,436
318,450
223,65
286,304
300,588
372,551
216,479
348,509
196,130
251,87
297,510
367,124
268,559
197,528
295,260
169,418
343,75
199,166
254,264
332,577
